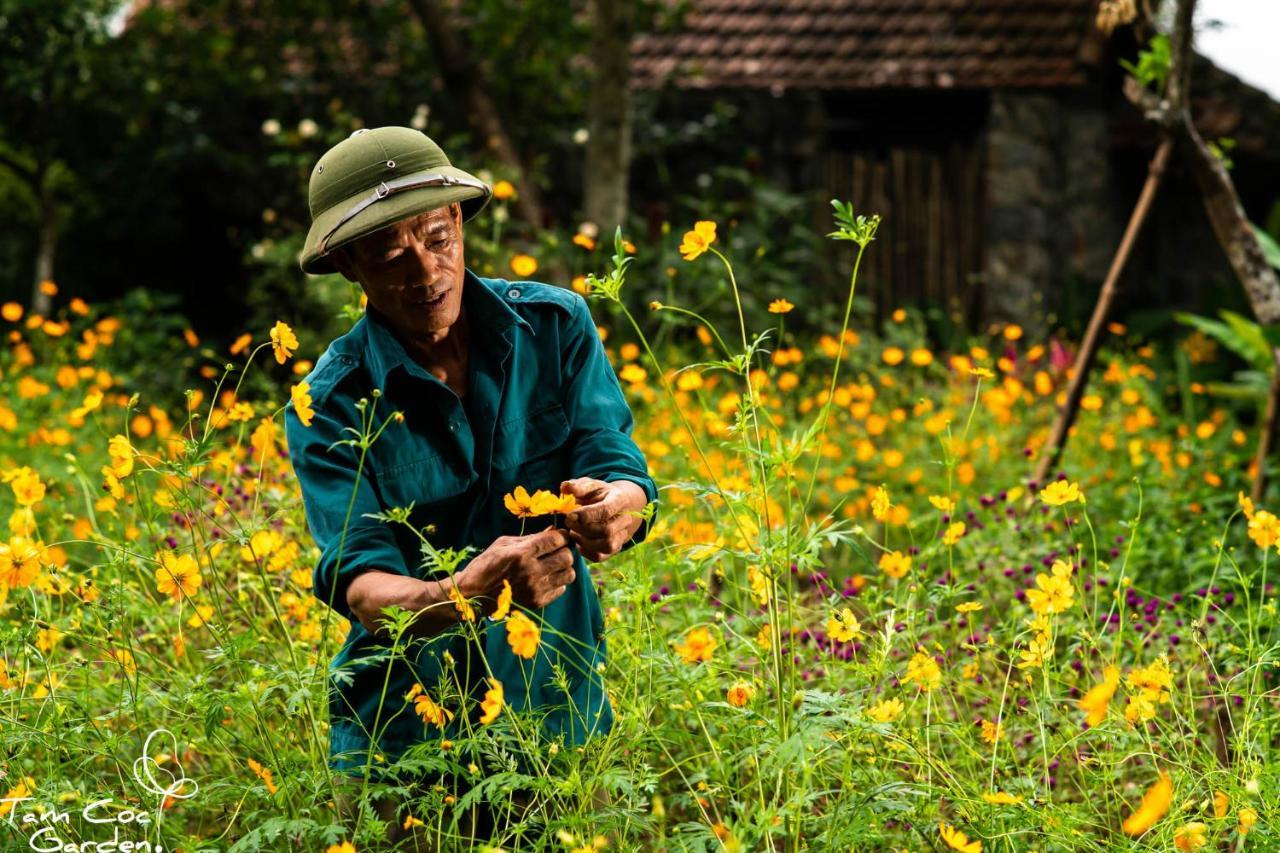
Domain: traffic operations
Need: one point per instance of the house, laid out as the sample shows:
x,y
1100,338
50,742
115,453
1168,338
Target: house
x,y
991,135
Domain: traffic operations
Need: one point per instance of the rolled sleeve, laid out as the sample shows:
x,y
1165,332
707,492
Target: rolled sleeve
x,y
600,420
336,495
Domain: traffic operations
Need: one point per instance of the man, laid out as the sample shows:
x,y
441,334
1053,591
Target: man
x,y
483,385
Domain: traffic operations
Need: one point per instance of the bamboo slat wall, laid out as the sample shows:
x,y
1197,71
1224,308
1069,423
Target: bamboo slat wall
x,y
928,251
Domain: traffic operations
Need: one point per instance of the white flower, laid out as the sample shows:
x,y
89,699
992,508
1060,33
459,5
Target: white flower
x,y
271,127
419,120
590,229
581,135
307,128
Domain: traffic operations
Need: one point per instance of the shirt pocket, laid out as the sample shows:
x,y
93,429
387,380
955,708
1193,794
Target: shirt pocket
x,y
426,479
533,449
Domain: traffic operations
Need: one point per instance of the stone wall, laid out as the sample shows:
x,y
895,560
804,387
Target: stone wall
x,y
1050,215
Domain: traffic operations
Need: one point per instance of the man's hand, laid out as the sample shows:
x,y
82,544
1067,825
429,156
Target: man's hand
x,y
539,567
605,519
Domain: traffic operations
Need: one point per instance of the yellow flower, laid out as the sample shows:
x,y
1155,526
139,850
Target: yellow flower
x,y
895,564
942,503
1055,593
954,531
121,453
957,840
504,602
968,607
283,341
1155,802
921,357
1098,699
1061,492
302,402
1247,817
880,504
1246,504
1221,804
924,671
632,374
698,240
1264,529
1191,836
886,711
697,646
991,731
504,190
780,306
241,343
11,311
893,356
27,487
1038,650
461,604
843,626
523,635
524,265
740,694
492,702
585,241
178,575
344,847
981,373
1000,798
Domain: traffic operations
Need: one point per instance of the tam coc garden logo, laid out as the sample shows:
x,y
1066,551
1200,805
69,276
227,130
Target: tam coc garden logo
x,y
104,824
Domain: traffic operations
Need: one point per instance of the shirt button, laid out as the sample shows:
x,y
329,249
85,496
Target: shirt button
x,y
513,293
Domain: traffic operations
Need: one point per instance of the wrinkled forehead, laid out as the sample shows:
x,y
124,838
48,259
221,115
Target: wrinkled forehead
x,y
430,223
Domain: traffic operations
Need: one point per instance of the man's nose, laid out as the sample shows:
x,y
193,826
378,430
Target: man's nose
x,y
425,260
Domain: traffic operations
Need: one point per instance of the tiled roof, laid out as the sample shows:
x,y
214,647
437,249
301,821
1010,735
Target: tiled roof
x,y
858,44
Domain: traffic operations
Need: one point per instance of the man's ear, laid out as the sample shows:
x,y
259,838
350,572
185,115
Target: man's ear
x,y
341,261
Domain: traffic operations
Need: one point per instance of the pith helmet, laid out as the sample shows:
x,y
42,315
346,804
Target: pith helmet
x,y
378,176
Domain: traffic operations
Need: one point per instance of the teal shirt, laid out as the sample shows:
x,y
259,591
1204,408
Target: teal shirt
x,y
543,405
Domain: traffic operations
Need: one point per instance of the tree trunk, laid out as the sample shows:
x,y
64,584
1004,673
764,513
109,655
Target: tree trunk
x,y
41,302
609,115
466,77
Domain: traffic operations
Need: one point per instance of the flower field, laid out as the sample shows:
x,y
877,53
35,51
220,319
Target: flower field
x,y
857,623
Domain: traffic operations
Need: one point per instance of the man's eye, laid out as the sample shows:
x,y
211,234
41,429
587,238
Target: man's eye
x,y
391,259
440,244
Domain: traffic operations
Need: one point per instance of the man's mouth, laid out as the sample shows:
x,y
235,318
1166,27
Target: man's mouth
x,y
431,303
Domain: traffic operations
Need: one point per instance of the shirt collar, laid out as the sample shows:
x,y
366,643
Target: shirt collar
x,y
486,308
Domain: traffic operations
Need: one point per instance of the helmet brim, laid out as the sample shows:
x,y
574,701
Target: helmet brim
x,y
384,212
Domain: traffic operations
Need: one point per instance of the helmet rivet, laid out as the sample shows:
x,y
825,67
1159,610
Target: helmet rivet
x,y
391,164
320,169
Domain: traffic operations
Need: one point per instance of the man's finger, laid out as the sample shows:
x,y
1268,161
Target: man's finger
x,y
596,513
549,540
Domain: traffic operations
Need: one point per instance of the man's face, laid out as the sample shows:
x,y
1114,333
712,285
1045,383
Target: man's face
x,y
412,270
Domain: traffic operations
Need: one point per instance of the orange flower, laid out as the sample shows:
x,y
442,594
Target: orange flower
x,y
426,707
283,341
780,306
524,265
504,602
302,402
698,240
1098,699
740,694
697,646
523,635
1155,802
504,190
460,602
492,702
